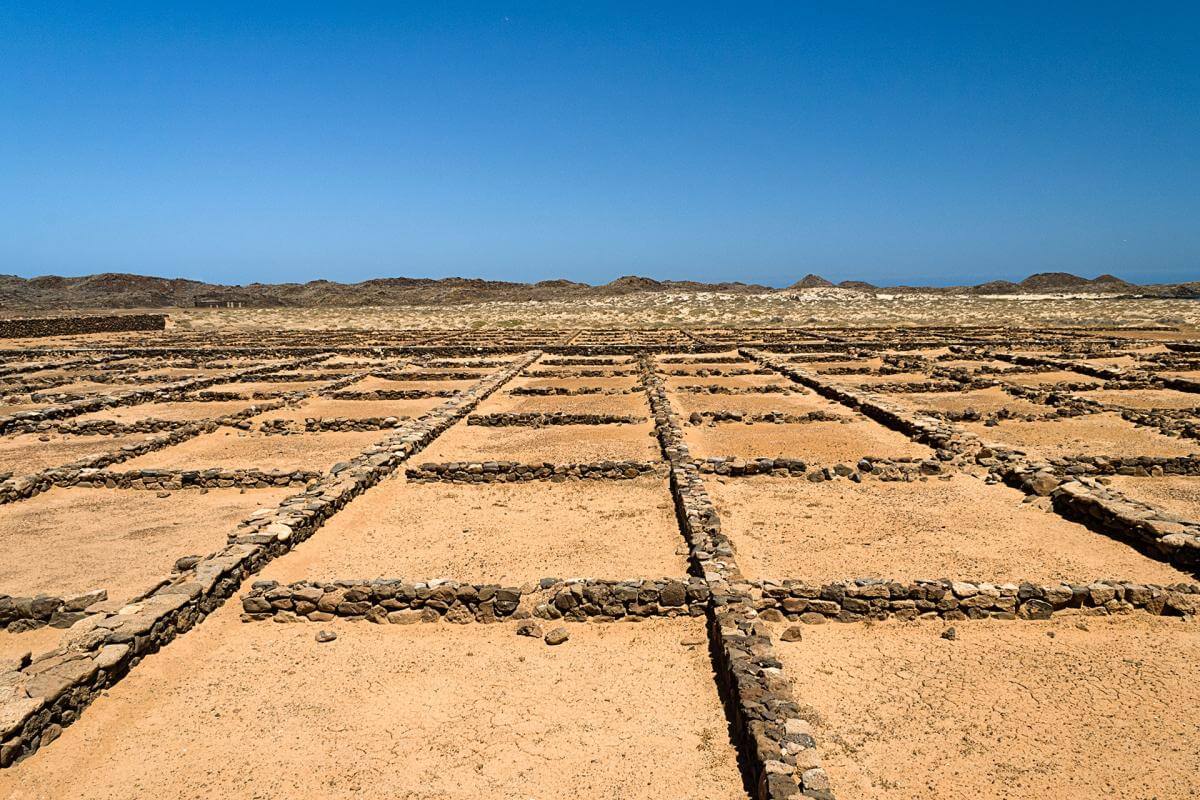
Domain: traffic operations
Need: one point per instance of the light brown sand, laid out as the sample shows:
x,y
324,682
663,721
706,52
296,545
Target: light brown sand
x,y
960,529
234,449
685,403
875,380
498,533
853,363
553,443
15,645
249,388
1057,376
416,712
732,381
613,382
184,411
121,540
817,442
634,405
1094,434
1144,398
26,453
1005,710
985,401
373,384
325,408
1174,493
1191,375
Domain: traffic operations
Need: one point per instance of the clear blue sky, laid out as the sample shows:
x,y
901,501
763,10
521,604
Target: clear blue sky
x,y
891,142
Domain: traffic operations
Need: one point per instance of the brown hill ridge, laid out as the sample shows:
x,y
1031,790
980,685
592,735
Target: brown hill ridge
x,y
118,290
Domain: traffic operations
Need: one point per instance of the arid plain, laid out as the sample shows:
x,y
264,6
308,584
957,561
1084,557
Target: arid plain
x,y
812,544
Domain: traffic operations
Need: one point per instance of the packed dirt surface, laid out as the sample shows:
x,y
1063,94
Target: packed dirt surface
x,y
1103,434
324,408
796,403
960,529
1144,398
496,533
1030,709
121,540
175,412
1174,493
984,401
230,449
417,712
553,443
27,453
813,442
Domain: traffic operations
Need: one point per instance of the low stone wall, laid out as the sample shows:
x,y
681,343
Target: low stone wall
x,y
102,427
392,394
542,419
698,388
331,424
427,376
585,362
851,601
883,469
216,478
578,373
516,471
20,614
400,602
67,326
565,391
768,417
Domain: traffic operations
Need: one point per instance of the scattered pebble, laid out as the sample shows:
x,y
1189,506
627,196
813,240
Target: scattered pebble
x,y
326,636
529,629
950,634
793,634
557,636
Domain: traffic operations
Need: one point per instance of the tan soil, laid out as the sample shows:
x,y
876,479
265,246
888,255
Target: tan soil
x,y
626,404
822,367
613,382
15,645
13,408
1174,493
1095,434
230,449
960,529
373,384
25,453
815,442
875,380
325,408
553,443
732,381
122,540
1009,709
685,403
248,388
184,411
985,401
415,712
1056,376
1192,375
499,533
94,388
692,369
1144,398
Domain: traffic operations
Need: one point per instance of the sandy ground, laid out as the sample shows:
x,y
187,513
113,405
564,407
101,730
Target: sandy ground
x,y
610,382
822,367
625,404
1094,434
960,529
1191,375
816,442
184,411
1039,378
685,403
249,388
15,645
1009,709
1176,494
121,540
1144,398
732,381
502,533
553,443
85,388
875,380
373,384
232,449
323,407
985,401
414,712
26,453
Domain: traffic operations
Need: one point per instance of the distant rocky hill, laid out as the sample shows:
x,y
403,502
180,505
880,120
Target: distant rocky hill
x,y
115,290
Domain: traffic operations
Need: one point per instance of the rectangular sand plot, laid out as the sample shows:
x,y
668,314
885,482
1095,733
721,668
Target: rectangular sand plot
x,y
1094,434
634,405
731,381
26,452
984,401
325,408
1144,398
422,712
815,442
553,443
67,541
607,382
1054,376
174,411
874,379
374,384
960,529
250,388
685,403
1028,709
229,449
1176,494
496,533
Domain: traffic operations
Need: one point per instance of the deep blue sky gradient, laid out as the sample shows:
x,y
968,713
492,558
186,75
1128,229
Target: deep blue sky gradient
x,y
891,142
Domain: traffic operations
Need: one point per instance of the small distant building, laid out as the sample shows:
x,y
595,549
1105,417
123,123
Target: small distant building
x,y
219,301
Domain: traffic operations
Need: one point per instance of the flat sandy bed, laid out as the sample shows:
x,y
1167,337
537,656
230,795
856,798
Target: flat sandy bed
x,y
732,381
1177,494
873,379
1054,376
815,442
87,388
325,408
1006,710
1103,434
1144,398
248,388
634,405
685,403
606,382
26,453
960,529
182,411
373,384
417,712
121,540
1191,375
15,645
553,443
824,366
496,533
985,401
232,449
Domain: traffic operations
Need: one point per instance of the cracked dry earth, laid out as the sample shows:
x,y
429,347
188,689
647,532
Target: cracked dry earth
x,y
757,562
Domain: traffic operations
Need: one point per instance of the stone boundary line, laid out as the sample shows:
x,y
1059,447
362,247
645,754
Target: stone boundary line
x,y
517,471
39,698
65,326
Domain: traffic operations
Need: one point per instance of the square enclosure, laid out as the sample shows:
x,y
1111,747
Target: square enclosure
x,y
814,442
26,453
1105,434
1029,709
984,401
506,533
186,411
423,711
560,444
326,408
228,448
67,541
798,403
962,529
633,405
